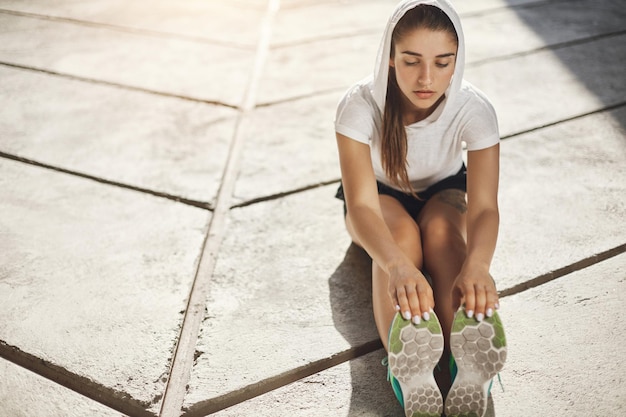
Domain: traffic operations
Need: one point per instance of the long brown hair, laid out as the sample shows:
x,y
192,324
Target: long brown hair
x,y
394,142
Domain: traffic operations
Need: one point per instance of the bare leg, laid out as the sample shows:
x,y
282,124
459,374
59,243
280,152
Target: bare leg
x,y
407,235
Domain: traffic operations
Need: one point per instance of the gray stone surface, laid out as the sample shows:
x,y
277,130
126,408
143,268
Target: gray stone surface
x,y
213,20
298,143
26,394
549,86
172,66
164,144
505,32
94,279
355,388
561,196
293,288
566,346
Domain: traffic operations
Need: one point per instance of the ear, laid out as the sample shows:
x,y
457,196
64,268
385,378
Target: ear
x,y
391,63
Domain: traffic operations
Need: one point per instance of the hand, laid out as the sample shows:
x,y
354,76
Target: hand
x,y
410,292
476,288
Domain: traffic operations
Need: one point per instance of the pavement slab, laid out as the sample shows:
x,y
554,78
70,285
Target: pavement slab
x,y
297,292
94,279
208,20
167,65
26,394
163,144
297,138
561,196
566,346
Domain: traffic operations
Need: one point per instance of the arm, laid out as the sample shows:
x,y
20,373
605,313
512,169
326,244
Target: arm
x,y
474,283
407,286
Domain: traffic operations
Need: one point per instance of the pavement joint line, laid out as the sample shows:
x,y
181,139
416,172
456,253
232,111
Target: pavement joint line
x,y
568,119
566,270
109,397
184,355
551,47
285,193
318,93
116,85
127,29
178,199
248,392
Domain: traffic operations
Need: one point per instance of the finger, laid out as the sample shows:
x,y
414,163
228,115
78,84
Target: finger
x,y
403,302
426,301
414,303
492,301
394,299
470,300
480,295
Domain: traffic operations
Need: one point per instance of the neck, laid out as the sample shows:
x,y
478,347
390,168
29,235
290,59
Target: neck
x,y
411,114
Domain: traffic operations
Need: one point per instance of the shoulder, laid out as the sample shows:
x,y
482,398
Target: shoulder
x,y
357,113
358,97
474,101
478,118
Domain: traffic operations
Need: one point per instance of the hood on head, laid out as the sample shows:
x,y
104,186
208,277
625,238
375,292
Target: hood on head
x,y
381,69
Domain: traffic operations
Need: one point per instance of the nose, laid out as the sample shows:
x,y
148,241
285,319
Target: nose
x,y
425,76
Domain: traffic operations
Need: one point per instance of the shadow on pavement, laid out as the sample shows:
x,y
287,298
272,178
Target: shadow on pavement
x,y
596,31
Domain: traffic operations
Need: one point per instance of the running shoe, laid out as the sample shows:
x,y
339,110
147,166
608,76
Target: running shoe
x,y
414,351
479,351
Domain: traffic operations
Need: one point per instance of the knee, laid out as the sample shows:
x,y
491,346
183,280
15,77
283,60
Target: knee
x,y
440,233
407,236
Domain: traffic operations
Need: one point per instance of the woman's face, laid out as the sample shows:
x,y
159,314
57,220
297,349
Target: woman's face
x,y
424,63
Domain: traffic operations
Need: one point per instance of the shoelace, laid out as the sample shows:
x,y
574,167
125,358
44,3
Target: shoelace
x,y
385,362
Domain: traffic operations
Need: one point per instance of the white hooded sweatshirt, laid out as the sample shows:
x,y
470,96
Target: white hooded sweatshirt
x,y
435,143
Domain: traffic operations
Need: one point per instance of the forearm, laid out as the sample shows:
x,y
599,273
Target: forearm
x,y
374,236
482,235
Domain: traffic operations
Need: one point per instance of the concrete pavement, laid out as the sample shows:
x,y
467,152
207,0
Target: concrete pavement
x,y
169,240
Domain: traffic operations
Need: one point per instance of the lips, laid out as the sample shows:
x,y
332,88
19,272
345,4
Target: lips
x,y
424,94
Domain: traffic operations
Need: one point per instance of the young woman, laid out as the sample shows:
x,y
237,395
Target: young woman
x,y
413,206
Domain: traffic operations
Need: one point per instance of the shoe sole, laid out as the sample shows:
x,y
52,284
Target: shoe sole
x,y
479,349
414,351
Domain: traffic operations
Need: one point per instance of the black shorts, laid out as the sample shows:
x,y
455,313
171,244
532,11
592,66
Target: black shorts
x,y
411,204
